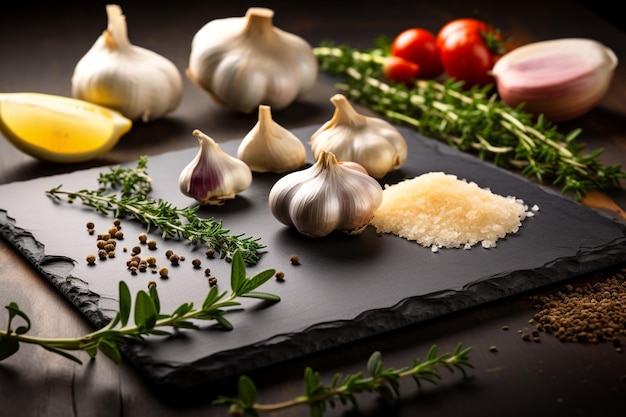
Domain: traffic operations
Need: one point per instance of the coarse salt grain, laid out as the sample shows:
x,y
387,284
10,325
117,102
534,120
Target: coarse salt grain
x,y
439,210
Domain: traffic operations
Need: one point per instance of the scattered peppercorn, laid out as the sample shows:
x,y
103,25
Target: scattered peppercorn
x,y
280,276
505,328
207,272
210,253
493,348
294,259
151,261
90,226
143,238
112,230
136,250
212,281
197,263
152,245
119,235
169,253
91,259
117,223
174,259
102,254
163,272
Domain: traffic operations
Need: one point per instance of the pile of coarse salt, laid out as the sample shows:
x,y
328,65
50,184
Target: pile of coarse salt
x,y
438,210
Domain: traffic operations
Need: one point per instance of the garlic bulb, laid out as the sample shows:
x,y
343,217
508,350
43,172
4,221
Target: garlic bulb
x,y
371,142
271,147
246,61
325,197
213,176
114,73
561,79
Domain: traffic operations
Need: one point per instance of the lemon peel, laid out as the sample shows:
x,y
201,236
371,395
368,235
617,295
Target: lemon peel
x,y
60,129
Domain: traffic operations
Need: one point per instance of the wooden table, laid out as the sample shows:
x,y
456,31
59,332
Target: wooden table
x,y
39,47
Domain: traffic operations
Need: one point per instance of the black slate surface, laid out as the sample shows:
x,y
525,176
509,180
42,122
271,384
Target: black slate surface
x,y
346,288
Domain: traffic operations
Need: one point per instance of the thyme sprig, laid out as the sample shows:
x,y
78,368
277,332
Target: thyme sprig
x,y
173,222
343,389
472,120
130,181
148,319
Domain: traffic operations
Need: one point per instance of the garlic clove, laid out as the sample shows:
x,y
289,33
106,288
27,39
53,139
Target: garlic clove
x,y
243,62
561,79
213,176
369,141
325,197
135,81
269,147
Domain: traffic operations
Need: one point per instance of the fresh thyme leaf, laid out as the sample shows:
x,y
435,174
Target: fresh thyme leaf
x,y
173,222
147,321
132,181
471,120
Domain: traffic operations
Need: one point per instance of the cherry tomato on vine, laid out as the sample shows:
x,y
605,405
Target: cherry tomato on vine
x,y
400,70
418,46
469,48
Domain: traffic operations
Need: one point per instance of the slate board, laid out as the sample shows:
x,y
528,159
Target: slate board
x,y
346,288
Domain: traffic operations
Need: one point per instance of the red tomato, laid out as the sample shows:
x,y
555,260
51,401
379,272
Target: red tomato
x,y
465,53
400,70
418,45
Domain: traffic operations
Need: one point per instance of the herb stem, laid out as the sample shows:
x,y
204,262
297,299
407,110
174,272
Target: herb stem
x,y
471,120
161,215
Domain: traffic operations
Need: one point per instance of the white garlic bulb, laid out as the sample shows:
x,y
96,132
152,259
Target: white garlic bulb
x,y
213,176
369,141
269,147
325,197
135,81
246,61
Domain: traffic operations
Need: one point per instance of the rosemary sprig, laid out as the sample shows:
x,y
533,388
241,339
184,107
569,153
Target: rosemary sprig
x,y
384,382
472,120
173,222
148,319
132,181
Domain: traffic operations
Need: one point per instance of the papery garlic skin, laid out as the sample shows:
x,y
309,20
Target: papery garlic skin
x,y
325,197
135,81
269,147
369,141
561,79
243,62
213,176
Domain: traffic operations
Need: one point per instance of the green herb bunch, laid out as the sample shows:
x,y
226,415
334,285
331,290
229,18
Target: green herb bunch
x,y
472,120
343,389
148,319
172,222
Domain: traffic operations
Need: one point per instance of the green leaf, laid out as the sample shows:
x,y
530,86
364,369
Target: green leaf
x,y
227,325
238,272
14,311
262,296
110,349
145,311
212,297
124,303
256,281
152,289
375,364
8,347
247,390
63,353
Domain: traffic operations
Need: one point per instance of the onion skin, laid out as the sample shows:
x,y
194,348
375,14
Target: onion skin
x,y
562,79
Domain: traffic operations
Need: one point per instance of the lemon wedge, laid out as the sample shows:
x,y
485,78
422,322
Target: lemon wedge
x,y
60,129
